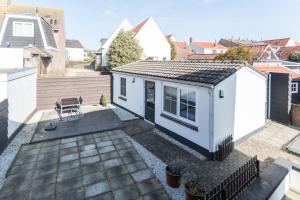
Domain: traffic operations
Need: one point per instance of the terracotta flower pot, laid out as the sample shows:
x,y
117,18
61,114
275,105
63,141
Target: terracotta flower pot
x,y
172,179
190,196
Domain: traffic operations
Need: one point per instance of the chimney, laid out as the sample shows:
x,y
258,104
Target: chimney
x,y
4,3
191,40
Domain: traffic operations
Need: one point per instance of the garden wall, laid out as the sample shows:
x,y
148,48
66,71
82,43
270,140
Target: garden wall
x,y
90,88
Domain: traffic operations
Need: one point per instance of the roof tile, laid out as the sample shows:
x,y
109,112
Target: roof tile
x,y
206,72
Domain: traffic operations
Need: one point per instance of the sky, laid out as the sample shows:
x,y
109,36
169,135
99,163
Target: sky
x,y
204,20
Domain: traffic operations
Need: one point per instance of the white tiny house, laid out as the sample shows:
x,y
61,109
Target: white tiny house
x,y
198,103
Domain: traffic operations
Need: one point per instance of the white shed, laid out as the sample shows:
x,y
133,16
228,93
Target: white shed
x,y
198,103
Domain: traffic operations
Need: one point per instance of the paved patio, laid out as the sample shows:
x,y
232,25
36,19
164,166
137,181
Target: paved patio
x,y
270,143
96,166
95,119
211,173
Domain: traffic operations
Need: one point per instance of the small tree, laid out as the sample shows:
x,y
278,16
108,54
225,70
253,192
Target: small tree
x,y
295,56
173,50
240,53
123,50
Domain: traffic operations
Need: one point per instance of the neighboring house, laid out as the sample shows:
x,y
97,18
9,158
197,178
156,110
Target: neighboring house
x,y
22,31
198,103
75,51
232,42
183,51
147,33
263,52
284,52
283,42
295,77
207,48
40,27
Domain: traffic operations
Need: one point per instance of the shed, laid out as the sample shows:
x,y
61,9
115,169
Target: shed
x,y
198,103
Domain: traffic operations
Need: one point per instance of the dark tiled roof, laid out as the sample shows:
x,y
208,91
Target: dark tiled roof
x,y
73,44
48,34
207,72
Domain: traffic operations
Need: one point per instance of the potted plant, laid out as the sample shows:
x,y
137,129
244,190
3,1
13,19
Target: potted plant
x,y
193,189
103,101
173,172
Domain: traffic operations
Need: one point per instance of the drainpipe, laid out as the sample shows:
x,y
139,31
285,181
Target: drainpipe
x,y
211,120
269,95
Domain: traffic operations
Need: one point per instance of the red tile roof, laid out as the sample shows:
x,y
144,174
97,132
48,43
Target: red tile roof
x,y
278,69
284,52
208,45
183,51
278,42
139,26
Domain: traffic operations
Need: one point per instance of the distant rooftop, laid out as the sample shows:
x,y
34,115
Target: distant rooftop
x,y
73,44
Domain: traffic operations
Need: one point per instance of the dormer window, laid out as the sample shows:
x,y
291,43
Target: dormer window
x,y
23,29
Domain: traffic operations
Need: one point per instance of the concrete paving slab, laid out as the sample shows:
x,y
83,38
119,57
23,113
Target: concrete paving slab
x,y
80,170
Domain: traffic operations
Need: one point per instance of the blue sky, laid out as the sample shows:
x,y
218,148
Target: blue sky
x,y
204,20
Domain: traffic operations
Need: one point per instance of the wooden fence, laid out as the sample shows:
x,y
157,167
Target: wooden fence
x,y
233,185
90,88
225,148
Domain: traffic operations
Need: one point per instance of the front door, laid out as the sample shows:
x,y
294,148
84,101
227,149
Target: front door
x,y
150,101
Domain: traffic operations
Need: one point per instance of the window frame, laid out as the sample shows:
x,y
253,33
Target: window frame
x,y
23,23
187,103
177,115
296,84
123,78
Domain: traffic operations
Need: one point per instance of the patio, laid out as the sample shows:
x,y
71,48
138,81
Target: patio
x,y
95,119
102,165
108,158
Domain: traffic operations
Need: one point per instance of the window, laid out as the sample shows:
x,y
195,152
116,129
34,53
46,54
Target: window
x,y
294,88
170,99
187,104
123,87
23,29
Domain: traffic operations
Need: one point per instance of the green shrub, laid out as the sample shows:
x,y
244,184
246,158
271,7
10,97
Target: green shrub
x,y
123,50
295,56
103,100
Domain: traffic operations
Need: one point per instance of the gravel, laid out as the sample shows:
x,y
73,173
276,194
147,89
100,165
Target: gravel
x,y
24,136
158,168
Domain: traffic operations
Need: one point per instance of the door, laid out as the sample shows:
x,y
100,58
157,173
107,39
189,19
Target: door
x,y
150,101
279,97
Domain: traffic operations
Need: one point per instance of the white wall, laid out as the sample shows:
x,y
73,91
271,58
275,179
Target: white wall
x,y
135,96
250,103
201,50
153,41
21,94
134,93
243,108
295,179
224,110
11,58
281,189
75,54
